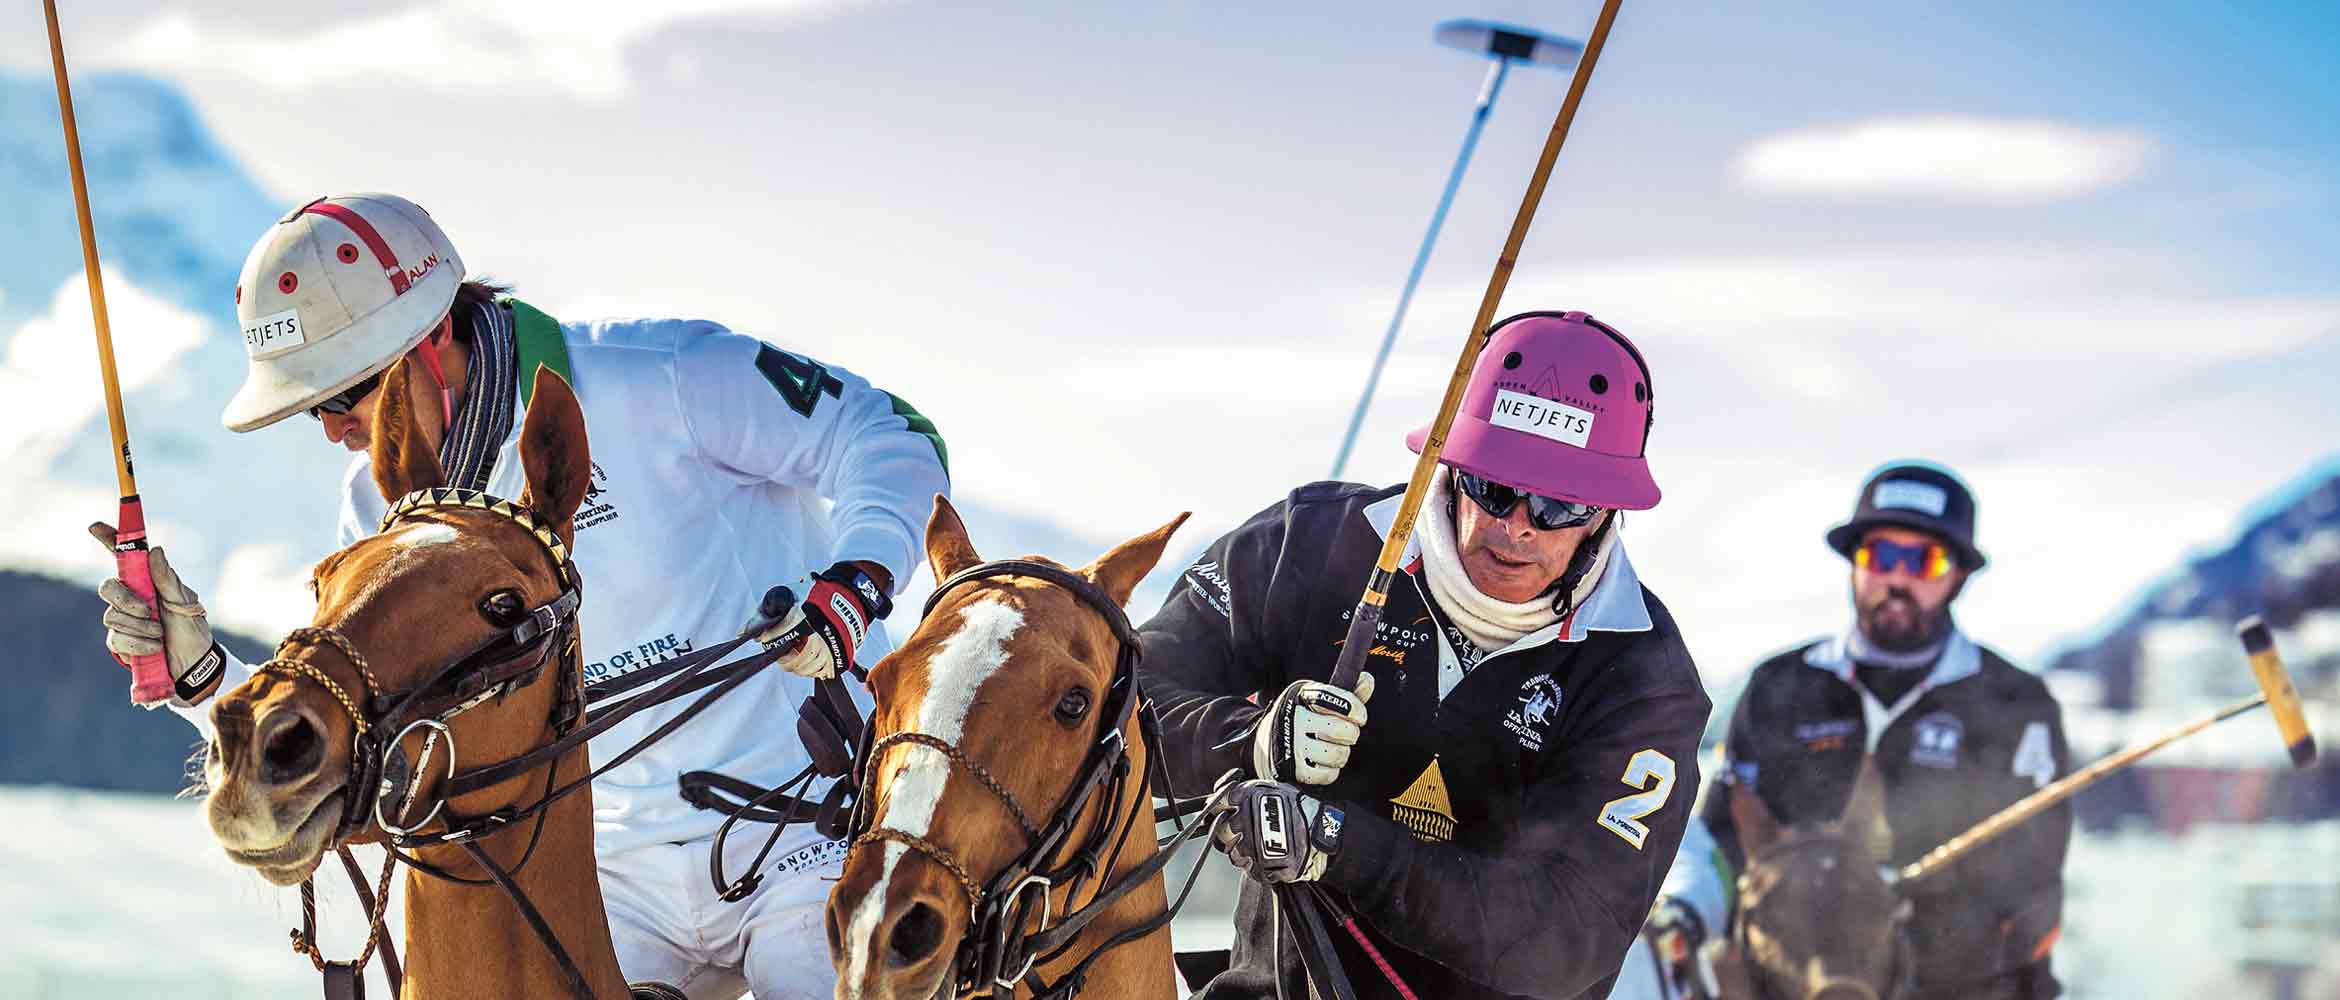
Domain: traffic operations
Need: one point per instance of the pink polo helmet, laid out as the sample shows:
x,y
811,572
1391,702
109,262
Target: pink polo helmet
x,y
1558,404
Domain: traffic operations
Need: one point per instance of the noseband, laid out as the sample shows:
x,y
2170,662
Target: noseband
x,y
508,661
1900,979
1004,940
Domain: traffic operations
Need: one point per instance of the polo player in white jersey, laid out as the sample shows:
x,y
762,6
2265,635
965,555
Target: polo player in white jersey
x,y
722,465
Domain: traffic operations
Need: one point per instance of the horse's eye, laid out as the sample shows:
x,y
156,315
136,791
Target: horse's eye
x,y
504,608
1073,706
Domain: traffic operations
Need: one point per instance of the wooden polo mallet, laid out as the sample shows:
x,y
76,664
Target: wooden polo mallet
x,y
150,674
1366,620
2275,692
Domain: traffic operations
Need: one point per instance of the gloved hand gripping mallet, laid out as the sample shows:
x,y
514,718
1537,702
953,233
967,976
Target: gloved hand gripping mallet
x,y
150,674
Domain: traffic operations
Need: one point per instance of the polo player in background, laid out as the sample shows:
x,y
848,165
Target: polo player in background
x,y
1956,733
721,465
1501,826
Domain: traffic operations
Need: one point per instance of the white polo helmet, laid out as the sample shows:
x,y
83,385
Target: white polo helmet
x,y
335,291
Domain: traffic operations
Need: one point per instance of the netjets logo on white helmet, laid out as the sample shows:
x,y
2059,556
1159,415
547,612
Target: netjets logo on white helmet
x,y
335,291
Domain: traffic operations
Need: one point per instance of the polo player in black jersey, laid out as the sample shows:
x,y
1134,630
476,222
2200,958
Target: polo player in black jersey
x,y
1501,826
1956,733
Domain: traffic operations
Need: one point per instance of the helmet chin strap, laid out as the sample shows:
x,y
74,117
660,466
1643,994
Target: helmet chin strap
x,y
437,341
1564,590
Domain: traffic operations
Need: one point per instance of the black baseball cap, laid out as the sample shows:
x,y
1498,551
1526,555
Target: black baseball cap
x,y
1913,494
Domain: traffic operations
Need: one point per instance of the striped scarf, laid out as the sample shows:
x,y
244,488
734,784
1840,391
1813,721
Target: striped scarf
x,y
491,397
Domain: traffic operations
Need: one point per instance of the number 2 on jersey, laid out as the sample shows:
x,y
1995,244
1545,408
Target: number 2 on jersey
x,y
1651,771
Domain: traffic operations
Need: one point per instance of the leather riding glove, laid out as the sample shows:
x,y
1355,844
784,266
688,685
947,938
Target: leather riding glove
x,y
1276,834
183,630
821,635
1305,735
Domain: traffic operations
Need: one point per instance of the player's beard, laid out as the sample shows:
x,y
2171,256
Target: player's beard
x,y
1897,622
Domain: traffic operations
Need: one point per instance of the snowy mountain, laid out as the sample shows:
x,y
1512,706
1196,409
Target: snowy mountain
x,y
242,516
174,215
2283,563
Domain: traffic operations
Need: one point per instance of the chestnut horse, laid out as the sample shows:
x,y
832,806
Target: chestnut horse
x,y
444,585
989,723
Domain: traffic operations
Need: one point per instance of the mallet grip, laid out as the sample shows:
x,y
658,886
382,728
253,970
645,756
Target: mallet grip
x,y
150,674
1364,626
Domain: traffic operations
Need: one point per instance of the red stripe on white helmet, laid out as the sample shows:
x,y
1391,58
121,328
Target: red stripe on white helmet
x,y
373,240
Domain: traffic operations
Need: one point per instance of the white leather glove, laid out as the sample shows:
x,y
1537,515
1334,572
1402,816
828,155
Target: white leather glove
x,y
1305,735
183,630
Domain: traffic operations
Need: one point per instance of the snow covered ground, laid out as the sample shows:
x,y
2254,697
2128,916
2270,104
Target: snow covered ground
x,y
120,896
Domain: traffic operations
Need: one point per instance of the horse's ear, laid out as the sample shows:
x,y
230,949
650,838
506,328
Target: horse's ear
x,y
1756,825
553,453
404,460
947,548
1119,571
1863,818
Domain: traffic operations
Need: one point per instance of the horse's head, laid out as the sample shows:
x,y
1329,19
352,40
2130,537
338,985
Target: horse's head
x,y
1010,679
1817,918
442,600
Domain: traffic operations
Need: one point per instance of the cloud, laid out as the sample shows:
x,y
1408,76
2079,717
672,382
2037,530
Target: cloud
x,y
267,586
1951,157
451,46
49,383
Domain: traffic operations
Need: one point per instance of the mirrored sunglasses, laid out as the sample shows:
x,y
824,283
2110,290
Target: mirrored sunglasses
x,y
1926,562
1546,513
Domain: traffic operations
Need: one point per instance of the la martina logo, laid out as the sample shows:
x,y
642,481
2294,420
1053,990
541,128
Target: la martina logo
x,y
598,507
1539,705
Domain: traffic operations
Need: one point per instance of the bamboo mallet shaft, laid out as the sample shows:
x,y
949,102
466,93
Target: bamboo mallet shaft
x,y
2275,691
1366,619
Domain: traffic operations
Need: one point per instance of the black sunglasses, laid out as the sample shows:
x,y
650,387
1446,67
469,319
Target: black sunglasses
x,y
347,399
1546,513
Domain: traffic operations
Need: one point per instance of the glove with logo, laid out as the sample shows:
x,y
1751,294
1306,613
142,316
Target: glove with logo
x,y
1274,833
183,630
1305,735
822,634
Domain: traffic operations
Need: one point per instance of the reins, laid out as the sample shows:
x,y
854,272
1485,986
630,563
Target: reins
x,y
513,659
998,953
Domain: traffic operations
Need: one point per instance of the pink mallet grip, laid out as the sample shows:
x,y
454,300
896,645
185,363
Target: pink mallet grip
x,y
150,675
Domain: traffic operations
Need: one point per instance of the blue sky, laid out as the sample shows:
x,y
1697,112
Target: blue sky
x,y
1133,259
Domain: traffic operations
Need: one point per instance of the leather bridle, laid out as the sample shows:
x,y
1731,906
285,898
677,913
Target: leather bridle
x,y
512,659
1010,930
515,657
1900,979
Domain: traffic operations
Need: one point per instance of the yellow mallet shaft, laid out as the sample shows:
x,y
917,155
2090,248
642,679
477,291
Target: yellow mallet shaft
x,y
2275,692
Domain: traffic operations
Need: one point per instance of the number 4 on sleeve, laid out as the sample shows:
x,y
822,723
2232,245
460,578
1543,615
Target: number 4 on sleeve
x,y
801,381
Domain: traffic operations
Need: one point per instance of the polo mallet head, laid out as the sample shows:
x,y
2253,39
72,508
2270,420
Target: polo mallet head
x,y
2275,683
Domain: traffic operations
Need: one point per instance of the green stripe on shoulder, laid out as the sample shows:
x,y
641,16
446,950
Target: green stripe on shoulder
x,y
920,425
539,343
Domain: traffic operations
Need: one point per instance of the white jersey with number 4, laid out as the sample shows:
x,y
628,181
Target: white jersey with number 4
x,y
721,467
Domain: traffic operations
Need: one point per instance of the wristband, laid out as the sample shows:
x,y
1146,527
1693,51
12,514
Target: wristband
x,y
199,675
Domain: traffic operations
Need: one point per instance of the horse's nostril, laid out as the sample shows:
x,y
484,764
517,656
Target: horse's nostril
x,y
916,935
292,751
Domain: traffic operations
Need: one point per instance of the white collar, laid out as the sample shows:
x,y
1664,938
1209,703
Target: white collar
x,y
1615,604
1960,658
